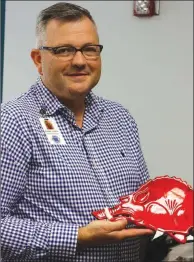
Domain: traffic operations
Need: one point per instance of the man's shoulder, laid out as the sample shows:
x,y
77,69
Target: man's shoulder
x,y
118,114
115,108
18,106
113,105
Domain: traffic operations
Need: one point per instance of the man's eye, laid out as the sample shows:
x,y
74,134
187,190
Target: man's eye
x,y
64,50
90,49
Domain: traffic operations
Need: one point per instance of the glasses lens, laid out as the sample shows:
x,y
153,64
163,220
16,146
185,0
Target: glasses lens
x,y
65,51
91,51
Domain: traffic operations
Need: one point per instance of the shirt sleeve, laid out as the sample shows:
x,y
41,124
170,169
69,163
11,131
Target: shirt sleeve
x,y
144,173
26,239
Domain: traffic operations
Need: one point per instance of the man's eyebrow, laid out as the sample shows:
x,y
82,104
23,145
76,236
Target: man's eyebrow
x,y
88,43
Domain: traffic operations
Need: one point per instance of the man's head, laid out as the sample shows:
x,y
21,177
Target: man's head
x,y
61,29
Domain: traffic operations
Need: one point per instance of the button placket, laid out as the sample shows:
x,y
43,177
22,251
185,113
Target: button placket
x,y
98,171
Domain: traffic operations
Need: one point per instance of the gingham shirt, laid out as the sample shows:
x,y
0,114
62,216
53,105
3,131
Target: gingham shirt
x,y
49,190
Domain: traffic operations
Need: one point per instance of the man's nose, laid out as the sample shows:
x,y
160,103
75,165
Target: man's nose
x,y
79,59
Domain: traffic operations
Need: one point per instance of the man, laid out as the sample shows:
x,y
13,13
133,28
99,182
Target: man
x,y
66,152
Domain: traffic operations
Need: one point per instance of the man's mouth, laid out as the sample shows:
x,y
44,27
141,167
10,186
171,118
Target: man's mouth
x,y
78,74
77,77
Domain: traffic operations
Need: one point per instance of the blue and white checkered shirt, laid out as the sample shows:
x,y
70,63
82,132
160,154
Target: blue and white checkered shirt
x,y
49,191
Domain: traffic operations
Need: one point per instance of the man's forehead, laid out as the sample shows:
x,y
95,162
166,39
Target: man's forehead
x,y
82,29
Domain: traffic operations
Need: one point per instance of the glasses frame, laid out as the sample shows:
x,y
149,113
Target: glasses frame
x,y
53,50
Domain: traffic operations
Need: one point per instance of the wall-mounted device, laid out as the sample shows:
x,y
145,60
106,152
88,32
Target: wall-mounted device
x,y
146,7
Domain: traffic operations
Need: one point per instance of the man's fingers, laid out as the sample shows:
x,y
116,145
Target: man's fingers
x,y
116,225
138,232
132,232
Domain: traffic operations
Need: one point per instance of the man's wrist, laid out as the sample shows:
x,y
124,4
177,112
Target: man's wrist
x,y
82,236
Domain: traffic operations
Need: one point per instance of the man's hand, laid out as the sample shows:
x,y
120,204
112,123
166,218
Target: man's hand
x,y
101,232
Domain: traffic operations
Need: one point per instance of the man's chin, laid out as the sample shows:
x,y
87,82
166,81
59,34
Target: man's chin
x,y
79,90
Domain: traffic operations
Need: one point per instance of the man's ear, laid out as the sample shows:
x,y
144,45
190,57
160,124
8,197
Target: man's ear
x,y
36,57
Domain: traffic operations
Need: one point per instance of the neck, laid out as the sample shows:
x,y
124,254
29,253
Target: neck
x,y
77,106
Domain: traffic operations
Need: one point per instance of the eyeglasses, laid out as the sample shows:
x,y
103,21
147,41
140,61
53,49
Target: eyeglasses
x,y
67,52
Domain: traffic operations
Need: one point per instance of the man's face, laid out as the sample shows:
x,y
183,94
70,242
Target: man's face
x,y
75,77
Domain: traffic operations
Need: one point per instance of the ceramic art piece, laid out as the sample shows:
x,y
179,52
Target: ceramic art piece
x,y
164,204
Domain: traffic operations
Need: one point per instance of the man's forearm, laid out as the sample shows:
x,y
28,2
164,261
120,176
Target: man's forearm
x,y
27,239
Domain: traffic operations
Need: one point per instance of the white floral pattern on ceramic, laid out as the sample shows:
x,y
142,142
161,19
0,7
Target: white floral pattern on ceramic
x,y
164,204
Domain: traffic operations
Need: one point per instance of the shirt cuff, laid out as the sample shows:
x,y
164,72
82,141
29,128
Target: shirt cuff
x,y
62,241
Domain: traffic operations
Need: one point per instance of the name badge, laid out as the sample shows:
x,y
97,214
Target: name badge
x,y
52,131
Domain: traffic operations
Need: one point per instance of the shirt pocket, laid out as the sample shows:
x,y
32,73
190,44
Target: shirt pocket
x,y
122,170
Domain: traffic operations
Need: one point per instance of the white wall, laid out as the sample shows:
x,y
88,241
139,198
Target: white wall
x,y
147,67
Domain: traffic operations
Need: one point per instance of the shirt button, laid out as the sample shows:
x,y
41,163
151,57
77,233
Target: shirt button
x,y
94,163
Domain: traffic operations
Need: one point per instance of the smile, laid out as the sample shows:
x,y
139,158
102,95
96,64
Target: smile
x,y
78,76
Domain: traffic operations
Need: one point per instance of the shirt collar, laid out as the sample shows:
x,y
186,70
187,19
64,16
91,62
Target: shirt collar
x,y
51,104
